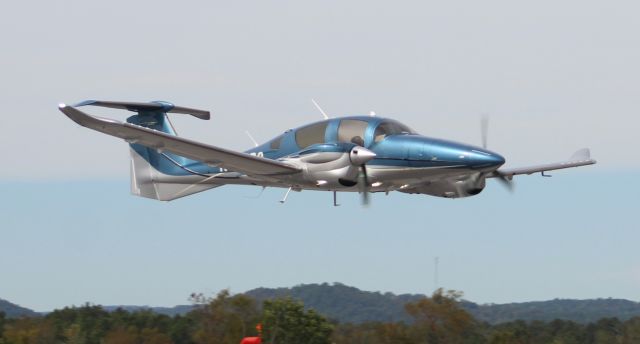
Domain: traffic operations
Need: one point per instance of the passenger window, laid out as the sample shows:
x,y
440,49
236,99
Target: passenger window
x,y
311,134
352,130
380,133
275,144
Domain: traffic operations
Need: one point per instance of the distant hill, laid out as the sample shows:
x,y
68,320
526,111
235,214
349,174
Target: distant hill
x,y
14,311
170,311
581,311
349,304
352,305
343,303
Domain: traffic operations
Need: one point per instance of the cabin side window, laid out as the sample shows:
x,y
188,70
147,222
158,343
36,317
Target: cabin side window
x,y
352,130
275,143
311,134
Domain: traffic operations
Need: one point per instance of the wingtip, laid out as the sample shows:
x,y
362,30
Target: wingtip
x,y
581,154
62,106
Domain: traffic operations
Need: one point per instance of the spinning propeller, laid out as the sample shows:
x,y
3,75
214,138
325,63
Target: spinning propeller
x,y
359,156
484,132
364,185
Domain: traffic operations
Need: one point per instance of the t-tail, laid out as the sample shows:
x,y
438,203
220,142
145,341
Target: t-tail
x,y
157,174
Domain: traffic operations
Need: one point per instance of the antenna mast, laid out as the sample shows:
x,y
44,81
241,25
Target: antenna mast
x,y
324,114
436,260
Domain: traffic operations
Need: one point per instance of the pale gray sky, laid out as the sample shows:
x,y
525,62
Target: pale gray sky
x,y
555,76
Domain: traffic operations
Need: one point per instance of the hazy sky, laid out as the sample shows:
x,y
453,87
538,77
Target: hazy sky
x,y
555,76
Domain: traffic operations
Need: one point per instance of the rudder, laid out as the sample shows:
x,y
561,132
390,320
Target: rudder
x,y
162,175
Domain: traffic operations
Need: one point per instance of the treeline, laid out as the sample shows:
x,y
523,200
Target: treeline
x,y
226,318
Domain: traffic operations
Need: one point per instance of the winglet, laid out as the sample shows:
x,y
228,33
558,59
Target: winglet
x,y
582,154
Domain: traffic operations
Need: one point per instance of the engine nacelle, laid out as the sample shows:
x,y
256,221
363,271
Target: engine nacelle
x,y
331,165
457,188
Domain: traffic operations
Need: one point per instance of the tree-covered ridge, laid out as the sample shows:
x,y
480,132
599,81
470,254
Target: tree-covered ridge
x,y
348,304
12,310
343,303
580,311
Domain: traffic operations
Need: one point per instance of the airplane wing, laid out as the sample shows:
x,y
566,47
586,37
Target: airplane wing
x,y
232,160
580,158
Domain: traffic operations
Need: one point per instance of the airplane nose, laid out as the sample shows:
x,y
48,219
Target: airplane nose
x,y
496,160
487,159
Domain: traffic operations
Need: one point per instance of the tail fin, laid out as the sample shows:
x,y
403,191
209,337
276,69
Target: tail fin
x,y
155,174
147,181
161,175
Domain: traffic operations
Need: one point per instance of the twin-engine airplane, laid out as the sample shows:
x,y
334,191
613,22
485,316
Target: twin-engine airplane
x,y
348,154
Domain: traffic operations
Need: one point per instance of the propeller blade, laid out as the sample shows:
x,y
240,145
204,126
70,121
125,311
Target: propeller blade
x,y
363,184
458,186
484,129
504,180
484,132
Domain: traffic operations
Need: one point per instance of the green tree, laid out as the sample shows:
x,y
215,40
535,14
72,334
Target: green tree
x,y
355,334
153,336
120,335
607,330
180,329
224,319
3,320
631,331
30,331
439,319
86,325
285,321
514,332
372,333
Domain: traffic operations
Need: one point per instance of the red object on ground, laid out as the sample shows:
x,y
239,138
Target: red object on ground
x,y
251,340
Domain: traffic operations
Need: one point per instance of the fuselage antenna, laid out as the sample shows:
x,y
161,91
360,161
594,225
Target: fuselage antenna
x,y
324,114
251,138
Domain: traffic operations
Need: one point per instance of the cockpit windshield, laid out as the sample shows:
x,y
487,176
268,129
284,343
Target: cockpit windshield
x,y
388,128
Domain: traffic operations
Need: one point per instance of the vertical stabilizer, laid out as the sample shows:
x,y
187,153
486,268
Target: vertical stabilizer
x,y
162,175
146,181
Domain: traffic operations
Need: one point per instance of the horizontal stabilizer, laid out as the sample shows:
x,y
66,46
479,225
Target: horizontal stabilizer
x,y
155,106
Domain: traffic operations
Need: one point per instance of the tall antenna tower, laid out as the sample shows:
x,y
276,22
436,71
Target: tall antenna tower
x,y
436,260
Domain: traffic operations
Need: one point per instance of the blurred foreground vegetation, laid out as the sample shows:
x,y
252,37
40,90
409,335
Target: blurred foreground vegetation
x,y
227,318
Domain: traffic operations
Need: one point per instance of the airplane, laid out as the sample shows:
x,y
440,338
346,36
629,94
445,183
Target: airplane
x,y
365,154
